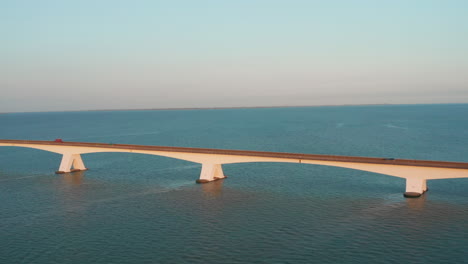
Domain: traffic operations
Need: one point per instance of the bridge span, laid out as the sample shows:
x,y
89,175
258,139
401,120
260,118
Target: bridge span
x,y
416,172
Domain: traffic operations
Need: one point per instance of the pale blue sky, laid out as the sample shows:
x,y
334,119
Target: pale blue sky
x,y
109,54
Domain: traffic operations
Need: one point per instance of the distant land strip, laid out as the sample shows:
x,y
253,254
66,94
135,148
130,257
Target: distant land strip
x,y
223,107
200,108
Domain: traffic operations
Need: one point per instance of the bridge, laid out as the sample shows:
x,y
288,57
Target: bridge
x,y
416,172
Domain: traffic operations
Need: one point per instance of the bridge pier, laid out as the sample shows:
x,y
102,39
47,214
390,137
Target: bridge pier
x,y
415,187
211,172
70,161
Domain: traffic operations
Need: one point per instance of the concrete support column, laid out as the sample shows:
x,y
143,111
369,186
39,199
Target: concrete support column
x,y
211,172
78,163
70,161
415,187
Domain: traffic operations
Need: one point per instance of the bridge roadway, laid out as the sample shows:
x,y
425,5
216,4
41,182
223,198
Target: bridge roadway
x,y
416,172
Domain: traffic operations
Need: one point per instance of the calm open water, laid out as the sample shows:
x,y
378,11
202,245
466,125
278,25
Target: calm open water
x,y
135,208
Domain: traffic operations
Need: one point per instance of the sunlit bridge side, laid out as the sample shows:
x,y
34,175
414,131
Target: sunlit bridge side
x,y
416,172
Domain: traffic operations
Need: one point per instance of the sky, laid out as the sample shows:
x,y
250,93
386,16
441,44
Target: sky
x,y
60,55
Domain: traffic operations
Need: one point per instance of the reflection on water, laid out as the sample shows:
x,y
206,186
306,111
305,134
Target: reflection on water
x,y
75,178
416,203
213,189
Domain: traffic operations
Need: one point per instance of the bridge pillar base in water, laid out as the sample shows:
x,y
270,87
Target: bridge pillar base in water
x,y
211,172
415,187
74,170
71,163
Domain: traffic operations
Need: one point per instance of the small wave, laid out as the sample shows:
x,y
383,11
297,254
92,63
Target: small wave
x,y
28,218
19,178
393,126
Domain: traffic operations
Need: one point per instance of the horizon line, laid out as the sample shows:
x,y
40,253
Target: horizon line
x,y
220,107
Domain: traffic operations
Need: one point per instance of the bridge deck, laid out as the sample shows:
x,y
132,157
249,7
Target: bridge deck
x,y
300,156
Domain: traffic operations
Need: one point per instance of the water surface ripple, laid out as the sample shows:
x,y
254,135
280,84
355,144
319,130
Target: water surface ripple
x,y
134,208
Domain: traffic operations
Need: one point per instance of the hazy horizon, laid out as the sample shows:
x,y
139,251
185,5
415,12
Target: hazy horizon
x,y
97,55
227,107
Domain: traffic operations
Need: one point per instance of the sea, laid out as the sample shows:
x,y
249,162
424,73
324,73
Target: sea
x,y
137,208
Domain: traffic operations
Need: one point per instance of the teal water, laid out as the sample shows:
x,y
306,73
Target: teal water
x,y
134,208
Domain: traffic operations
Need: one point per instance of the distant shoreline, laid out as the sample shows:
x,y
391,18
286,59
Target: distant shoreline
x,y
221,107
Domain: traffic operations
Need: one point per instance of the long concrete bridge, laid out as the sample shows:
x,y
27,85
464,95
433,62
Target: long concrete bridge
x,y
416,172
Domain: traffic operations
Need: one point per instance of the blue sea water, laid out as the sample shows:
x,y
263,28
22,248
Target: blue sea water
x,y
135,208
